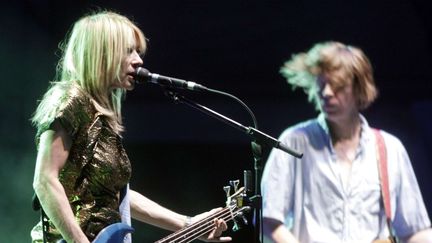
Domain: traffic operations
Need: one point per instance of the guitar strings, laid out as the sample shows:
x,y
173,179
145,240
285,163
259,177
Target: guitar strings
x,y
208,227
192,227
200,227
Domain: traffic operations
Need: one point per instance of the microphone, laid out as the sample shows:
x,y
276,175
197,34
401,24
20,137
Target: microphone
x,y
143,75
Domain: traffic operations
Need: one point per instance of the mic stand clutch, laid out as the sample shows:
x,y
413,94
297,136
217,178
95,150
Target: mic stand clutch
x,y
258,138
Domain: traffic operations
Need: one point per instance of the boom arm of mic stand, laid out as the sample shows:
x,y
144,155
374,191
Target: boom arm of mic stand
x,y
257,136
254,133
262,137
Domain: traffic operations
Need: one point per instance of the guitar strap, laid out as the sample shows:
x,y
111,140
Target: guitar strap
x,y
124,209
44,219
384,182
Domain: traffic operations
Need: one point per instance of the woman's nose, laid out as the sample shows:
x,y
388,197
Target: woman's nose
x,y
136,59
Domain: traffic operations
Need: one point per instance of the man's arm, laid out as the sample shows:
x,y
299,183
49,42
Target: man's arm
x,y
423,236
275,231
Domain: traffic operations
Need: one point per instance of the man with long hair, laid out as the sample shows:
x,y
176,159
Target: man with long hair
x,y
333,193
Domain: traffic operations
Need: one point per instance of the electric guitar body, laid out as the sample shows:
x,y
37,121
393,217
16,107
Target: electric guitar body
x,y
114,233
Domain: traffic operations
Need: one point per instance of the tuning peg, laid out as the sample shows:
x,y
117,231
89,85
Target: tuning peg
x,y
235,184
236,226
227,190
243,218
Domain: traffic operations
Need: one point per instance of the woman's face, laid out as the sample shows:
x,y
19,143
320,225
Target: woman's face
x,y
129,65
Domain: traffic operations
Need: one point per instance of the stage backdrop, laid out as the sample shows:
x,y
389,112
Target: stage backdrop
x,y
182,158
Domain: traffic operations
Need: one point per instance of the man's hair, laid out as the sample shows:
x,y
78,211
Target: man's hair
x,y
342,63
92,60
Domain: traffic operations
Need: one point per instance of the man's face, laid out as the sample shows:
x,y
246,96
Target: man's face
x,y
337,99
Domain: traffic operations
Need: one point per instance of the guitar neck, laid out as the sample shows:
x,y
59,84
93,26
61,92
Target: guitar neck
x,y
200,227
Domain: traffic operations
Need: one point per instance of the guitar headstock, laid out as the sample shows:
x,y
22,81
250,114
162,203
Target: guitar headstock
x,y
235,203
234,209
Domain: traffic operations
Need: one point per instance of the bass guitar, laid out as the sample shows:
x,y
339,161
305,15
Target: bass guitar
x,y
114,233
234,208
204,226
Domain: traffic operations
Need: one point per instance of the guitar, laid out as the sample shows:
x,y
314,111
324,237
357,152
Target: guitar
x,y
204,226
115,233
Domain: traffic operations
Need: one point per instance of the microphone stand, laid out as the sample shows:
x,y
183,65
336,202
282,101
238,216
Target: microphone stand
x,y
257,136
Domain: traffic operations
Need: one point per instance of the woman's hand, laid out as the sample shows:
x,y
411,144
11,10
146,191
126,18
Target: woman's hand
x,y
219,226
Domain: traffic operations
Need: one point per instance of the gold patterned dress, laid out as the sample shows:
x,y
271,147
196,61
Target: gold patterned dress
x,y
96,170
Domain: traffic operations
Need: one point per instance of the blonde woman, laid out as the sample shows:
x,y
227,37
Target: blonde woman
x,y
333,193
82,168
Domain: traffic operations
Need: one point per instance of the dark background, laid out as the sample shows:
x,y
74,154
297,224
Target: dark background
x,y
181,157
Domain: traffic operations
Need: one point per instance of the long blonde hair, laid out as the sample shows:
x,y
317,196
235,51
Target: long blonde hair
x,y
92,60
343,62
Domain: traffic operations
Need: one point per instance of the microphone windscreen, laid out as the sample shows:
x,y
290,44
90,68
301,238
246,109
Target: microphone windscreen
x,y
142,72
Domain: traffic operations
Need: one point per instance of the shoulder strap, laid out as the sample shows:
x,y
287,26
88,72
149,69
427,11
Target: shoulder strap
x,y
383,174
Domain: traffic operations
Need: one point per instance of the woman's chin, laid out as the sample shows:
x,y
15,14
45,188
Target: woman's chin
x,y
129,84
130,87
